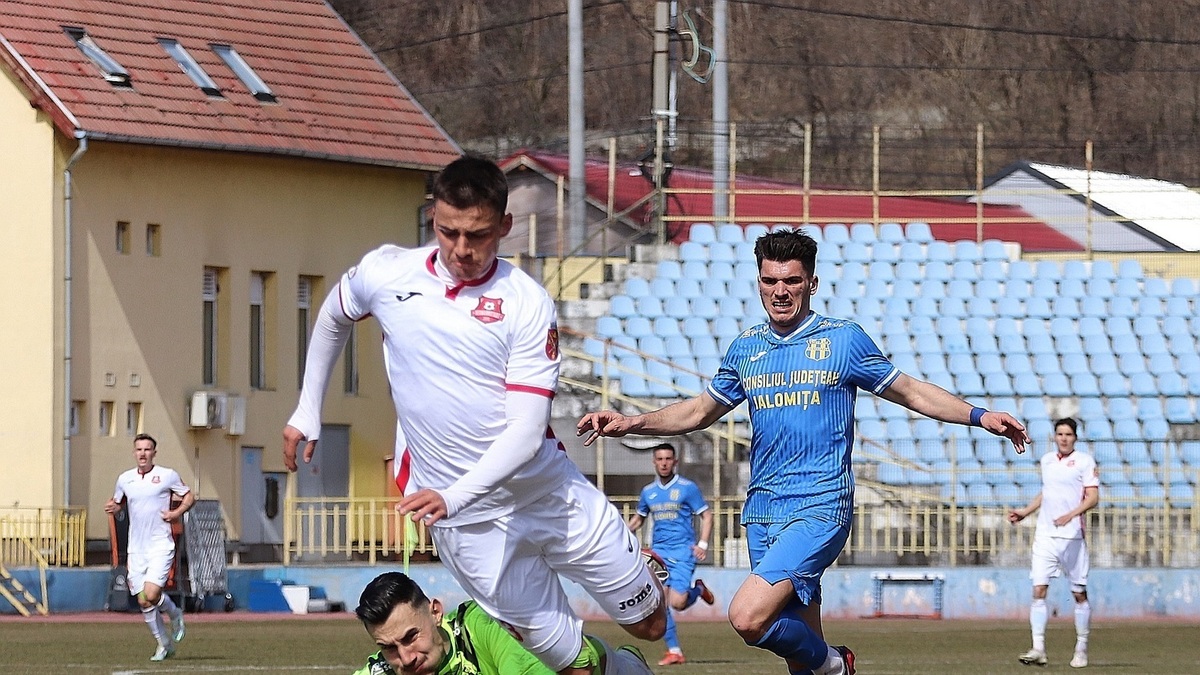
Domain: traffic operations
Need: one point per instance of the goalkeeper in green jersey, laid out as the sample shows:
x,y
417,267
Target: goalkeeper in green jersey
x,y
416,636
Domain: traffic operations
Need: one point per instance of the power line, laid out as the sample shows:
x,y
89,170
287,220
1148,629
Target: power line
x,y
948,68
532,78
498,26
1010,30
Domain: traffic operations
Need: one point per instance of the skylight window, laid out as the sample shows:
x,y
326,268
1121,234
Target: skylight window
x,y
109,68
189,66
246,74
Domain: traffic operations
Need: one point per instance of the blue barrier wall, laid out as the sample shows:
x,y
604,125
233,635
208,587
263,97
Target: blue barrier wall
x,y
970,593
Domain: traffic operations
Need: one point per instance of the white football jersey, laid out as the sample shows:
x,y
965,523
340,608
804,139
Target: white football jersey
x,y
1063,481
452,353
149,495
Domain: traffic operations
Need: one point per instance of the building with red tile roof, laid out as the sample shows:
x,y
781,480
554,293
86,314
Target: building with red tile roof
x,y
181,185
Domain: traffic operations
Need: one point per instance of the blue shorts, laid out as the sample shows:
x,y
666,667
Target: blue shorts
x,y
681,563
800,551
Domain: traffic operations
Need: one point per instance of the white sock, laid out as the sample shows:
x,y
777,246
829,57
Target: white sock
x,y
1083,621
153,619
167,605
834,665
1037,624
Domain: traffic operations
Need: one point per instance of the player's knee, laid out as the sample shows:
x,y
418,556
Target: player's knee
x,y
748,624
677,600
651,628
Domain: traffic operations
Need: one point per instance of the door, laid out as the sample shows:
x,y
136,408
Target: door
x,y
262,500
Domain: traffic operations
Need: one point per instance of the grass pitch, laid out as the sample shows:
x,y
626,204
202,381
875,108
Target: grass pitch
x,y
254,644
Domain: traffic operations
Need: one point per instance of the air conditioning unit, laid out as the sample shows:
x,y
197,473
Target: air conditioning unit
x,y
209,410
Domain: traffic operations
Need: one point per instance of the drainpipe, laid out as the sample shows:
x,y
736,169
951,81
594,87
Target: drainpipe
x,y
67,401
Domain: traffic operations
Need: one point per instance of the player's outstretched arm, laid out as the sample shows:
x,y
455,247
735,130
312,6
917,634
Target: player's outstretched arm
x,y
1017,515
932,401
678,418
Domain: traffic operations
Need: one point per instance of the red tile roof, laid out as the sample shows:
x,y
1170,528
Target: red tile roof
x,y
1002,221
335,99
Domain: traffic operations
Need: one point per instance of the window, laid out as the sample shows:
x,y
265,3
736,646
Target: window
x,y
109,68
244,72
305,290
189,66
106,418
76,414
258,332
133,418
122,237
153,240
350,363
209,339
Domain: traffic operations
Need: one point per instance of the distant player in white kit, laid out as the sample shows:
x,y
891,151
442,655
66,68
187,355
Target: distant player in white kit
x,y
147,490
1070,488
471,349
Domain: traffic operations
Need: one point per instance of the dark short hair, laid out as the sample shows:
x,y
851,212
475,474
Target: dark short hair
x,y
146,437
1068,421
472,181
382,595
664,446
787,244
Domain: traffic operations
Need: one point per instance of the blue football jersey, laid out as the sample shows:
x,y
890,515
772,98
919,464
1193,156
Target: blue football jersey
x,y
801,388
671,506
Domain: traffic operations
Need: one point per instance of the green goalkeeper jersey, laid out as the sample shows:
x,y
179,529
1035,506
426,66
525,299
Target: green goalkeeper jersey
x,y
476,645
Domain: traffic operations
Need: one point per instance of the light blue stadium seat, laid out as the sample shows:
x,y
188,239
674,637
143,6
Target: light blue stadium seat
x,y
871,427
1172,384
1085,384
1161,364
705,308
1173,326
954,307
638,326
1129,269
993,269
662,287
1038,308
727,325
649,307
634,385
1044,288
908,270
722,252
689,384
1056,384
891,233
1074,269
863,233
1126,288
1071,288
1020,270
835,233
729,233
637,287
925,428
1093,307
720,269
1155,287
622,306
967,250
980,495
652,345
1152,307
918,232
1098,288
695,269
1017,363
1103,364
912,252
754,231
1181,494
969,384
998,384
1142,384
1096,344
1046,363
993,249
964,269
1152,344
1103,269
729,306
856,252
938,251
677,347
659,378
693,251
1099,427
714,288
1074,364
609,327
1121,409
688,288
703,233
891,474
1047,269
865,409
744,252
898,430
1189,364
842,308
989,289
677,307
1127,430
876,288
1122,307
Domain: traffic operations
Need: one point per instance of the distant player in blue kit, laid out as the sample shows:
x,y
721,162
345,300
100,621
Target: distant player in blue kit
x,y
800,373
671,502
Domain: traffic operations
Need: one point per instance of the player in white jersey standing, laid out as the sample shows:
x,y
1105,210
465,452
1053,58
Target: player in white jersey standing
x,y
1070,488
147,491
471,350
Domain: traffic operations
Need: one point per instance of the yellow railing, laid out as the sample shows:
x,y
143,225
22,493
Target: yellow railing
x,y
911,528
324,529
31,535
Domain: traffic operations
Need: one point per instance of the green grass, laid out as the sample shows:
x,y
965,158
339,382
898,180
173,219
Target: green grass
x,y
215,646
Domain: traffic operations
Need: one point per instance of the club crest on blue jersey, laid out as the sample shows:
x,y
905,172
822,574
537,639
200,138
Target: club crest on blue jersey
x,y
818,349
489,310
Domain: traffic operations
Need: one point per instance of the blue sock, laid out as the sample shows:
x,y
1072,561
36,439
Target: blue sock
x,y
692,594
791,638
671,637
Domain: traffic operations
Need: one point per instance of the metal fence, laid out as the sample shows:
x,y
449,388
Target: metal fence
x,y
30,535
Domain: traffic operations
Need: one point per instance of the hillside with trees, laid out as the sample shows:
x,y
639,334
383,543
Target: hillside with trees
x,y
1041,77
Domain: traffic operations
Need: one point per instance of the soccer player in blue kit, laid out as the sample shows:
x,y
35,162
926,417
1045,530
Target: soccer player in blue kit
x,y
800,373
671,502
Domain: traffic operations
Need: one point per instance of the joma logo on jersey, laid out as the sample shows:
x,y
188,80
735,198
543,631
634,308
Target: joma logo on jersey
x,y
489,310
818,349
636,599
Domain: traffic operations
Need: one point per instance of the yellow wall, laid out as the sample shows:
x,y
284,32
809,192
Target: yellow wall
x,y
137,318
30,283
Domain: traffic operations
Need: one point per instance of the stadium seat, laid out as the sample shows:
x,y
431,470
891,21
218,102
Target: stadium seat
x,y
693,251
1114,384
1172,384
703,233
891,233
649,306
1127,430
1047,269
1085,384
1044,288
720,269
1071,288
755,230
1152,307
918,232
1155,287
835,233
1188,364
1129,269
1103,269
1098,288
729,233
863,233
1056,384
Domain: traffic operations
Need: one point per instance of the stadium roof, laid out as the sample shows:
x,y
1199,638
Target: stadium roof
x,y
769,201
284,77
1129,213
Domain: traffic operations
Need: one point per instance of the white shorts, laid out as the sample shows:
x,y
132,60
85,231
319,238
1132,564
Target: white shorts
x,y
511,567
152,568
1052,557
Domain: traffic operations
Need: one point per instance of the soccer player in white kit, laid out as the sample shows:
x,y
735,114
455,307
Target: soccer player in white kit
x,y
147,490
1070,487
471,351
